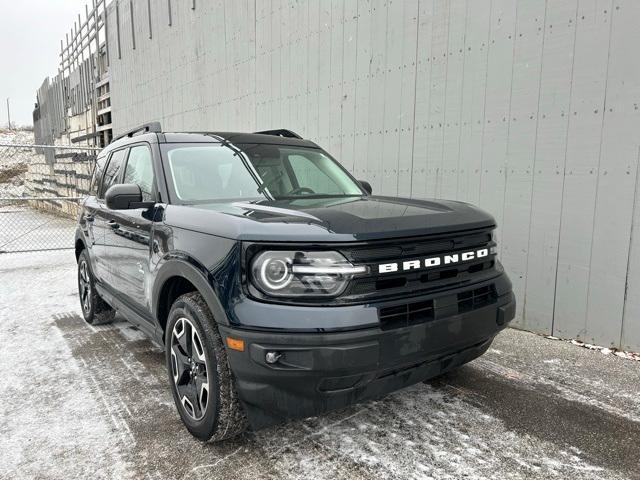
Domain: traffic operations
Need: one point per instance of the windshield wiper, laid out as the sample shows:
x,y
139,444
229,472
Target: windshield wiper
x,y
316,195
262,185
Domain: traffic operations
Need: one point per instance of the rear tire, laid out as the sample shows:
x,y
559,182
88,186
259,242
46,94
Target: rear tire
x,y
94,309
201,381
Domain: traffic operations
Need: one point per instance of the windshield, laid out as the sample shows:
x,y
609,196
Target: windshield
x,y
214,171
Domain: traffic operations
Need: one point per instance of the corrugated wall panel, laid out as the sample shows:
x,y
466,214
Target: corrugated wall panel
x,y
497,101
447,186
548,179
529,109
523,114
285,81
409,32
324,73
474,85
630,336
376,94
363,68
334,143
392,98
277,59
262,35
437,97
313,62
584,137
349,81
423,99
615,194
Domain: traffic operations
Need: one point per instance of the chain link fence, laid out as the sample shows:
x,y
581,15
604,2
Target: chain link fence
x,y
40,187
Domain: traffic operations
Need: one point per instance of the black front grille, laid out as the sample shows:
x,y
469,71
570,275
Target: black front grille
x,y
477,298
375,286
414,313
415,281
406,314
410,248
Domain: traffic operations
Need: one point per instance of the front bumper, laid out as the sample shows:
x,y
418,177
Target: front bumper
x,y
319,372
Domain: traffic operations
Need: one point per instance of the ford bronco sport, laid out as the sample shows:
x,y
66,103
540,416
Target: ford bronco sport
x,y
279,286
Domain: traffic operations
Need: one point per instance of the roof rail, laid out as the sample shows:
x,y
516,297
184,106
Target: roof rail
x,y
147,127
282,132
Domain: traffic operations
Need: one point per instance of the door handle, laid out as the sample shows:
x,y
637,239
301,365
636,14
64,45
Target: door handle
x,y
113,224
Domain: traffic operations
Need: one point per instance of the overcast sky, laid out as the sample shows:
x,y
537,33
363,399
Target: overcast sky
x,y
30,34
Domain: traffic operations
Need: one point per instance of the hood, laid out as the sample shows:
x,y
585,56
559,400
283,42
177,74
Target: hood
x,y
328,219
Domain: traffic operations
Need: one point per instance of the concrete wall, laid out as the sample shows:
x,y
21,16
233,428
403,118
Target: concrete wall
x,y
69,176
528,108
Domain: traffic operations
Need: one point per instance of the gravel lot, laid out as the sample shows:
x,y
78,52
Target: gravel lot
x,y
79,401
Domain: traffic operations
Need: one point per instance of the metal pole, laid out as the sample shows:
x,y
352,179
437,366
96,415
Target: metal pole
x,y
8,114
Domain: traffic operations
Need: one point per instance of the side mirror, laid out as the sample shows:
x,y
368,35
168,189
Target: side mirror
x,y
366,185
125,196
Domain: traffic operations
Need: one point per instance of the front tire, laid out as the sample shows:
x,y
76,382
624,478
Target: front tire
x,y
94,309
201,381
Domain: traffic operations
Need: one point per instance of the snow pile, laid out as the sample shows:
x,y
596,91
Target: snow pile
x,y
16,136
603,350
12,180
14,162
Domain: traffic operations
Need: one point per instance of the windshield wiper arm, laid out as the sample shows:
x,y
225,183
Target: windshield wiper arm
x,y
262,186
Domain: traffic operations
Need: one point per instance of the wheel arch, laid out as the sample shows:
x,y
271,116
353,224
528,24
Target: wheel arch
x,y
177,277
80,246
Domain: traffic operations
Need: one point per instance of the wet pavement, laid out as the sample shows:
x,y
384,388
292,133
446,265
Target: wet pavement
x,y
84,401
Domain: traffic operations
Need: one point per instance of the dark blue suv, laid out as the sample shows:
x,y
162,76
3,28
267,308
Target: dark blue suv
x,y
278,285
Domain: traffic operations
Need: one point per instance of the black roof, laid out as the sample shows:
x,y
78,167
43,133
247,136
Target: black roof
x,y
233,137
152,132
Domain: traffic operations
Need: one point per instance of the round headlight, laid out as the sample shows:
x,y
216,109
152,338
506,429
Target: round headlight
x,y
290,273
275,273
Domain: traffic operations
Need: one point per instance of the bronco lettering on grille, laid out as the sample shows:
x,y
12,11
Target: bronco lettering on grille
x,y
437,261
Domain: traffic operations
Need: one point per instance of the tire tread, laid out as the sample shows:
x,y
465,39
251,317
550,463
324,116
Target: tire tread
x,y
101,312
231,419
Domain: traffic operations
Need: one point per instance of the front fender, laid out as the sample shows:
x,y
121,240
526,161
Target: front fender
x,y
194,273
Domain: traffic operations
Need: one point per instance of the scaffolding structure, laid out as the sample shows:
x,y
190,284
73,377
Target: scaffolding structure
x,y
75,105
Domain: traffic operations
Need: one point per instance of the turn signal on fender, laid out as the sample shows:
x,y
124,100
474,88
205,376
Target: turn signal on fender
x,y
235,344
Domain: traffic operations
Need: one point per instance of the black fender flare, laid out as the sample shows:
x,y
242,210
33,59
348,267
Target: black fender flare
x,y
80,236
180,268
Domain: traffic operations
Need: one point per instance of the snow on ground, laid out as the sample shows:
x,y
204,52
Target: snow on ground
x,y
16,136
23,228
80,401
51,417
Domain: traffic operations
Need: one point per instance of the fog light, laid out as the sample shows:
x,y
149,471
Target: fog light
x,y
272,357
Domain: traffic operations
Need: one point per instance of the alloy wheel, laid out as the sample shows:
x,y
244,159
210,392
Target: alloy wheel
x,y
84,284
189,368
